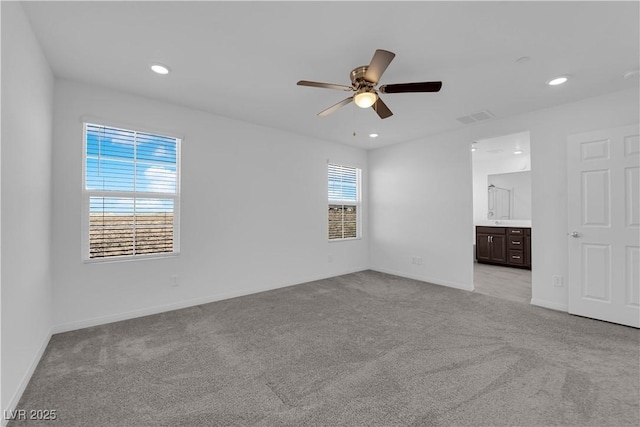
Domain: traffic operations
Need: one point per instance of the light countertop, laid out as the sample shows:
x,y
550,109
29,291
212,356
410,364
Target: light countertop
x,y
505,223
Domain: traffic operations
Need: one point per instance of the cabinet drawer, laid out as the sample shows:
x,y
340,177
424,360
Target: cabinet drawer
x,y
516,257
516,231
516,242
491,230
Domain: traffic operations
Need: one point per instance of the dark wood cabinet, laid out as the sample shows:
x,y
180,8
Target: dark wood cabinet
x,y
515,239
491,244
527,247
483,247
508,246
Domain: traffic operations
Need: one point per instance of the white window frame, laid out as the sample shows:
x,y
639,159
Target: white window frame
x,y
87,194
357,203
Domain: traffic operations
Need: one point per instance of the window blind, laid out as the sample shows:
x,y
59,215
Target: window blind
x,y
132,192
344,201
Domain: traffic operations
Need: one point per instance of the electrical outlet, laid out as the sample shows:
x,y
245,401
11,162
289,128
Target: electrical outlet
x,y
174,281
558,281
416,260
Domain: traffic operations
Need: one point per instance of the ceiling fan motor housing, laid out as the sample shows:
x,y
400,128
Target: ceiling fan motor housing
x,y
357,77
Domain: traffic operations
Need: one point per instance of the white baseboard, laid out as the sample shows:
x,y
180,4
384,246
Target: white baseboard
x,y
13,403
425,279
549,304
102,320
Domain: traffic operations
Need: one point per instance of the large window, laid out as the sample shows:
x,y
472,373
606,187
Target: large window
x,y
344,202
131,193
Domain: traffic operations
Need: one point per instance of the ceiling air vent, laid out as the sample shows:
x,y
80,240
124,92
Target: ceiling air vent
x,y
476,117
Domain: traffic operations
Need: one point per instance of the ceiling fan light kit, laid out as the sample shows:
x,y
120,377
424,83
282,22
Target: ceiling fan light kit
x,y
365,98
364,80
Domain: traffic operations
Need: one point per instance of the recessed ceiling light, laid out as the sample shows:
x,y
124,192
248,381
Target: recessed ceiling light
x,y
373,135
160,69
517,152
558,80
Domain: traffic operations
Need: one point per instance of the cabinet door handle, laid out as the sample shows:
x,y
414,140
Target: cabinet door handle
x,y
488,239
491,239
515,257
515,243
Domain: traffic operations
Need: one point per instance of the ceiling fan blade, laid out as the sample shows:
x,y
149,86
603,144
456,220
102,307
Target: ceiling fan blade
x,y
411,87
335,107
380,61
324,85
382,109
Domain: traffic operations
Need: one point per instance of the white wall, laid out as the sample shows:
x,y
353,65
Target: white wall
x,y
432,178
253,214
27,102
420,206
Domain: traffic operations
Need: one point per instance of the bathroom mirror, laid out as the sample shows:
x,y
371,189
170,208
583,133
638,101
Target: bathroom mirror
x,y
509,196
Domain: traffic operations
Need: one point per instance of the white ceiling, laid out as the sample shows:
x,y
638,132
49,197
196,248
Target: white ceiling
x,y
502,147
243,59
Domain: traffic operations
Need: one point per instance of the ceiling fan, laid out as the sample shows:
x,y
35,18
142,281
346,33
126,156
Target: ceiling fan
x,y
363,82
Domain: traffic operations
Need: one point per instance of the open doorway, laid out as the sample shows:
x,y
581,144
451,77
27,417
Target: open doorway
x,y
502,216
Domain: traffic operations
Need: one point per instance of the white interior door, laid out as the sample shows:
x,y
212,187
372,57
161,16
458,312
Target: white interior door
x,y
604,225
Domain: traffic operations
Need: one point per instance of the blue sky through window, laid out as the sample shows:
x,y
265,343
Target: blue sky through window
x,y
127,161
343,183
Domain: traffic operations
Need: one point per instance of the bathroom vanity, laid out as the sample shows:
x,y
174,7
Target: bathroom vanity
x,y
506,246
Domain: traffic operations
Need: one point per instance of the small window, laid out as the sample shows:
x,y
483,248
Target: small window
x,y
131,193
344,202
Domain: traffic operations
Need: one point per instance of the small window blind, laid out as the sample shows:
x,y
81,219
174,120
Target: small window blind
x,y
344,202
131,192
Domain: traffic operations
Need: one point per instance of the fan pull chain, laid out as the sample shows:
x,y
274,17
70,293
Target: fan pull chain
x,y
353,119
